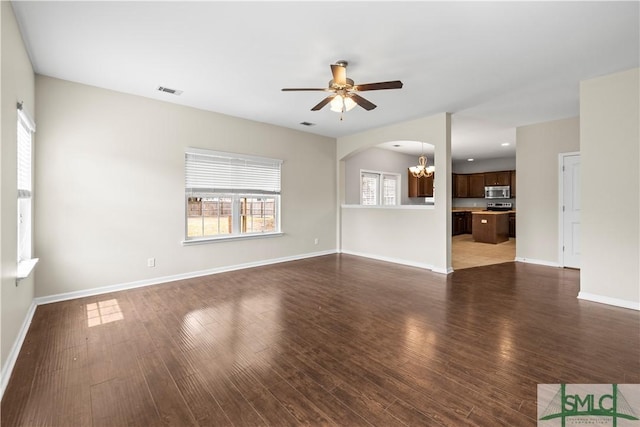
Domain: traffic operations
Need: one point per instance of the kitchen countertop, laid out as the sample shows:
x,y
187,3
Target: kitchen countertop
x,y
480,210
476,209
493,212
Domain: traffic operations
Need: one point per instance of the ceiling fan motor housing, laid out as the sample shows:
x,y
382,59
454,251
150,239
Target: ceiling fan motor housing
x,y
334,85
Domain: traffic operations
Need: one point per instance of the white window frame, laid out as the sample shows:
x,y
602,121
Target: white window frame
x,y
221,181
24,186
380,196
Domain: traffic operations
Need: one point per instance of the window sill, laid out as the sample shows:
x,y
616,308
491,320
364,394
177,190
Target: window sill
x,y
206,240
25,268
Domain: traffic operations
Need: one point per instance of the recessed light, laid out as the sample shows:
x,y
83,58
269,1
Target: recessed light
x,y
470,160
505,144
396,145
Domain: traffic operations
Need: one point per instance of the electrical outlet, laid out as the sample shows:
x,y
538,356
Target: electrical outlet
x,y
151,262
315,241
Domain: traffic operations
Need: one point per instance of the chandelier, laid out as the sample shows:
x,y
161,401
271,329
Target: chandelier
x,y
422,170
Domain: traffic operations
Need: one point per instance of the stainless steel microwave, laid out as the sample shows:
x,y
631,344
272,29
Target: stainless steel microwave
x,y
497,192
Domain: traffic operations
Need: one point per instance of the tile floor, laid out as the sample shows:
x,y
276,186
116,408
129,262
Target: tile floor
x,y
466,253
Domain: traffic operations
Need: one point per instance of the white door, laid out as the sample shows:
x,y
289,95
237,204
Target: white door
x,y
571,211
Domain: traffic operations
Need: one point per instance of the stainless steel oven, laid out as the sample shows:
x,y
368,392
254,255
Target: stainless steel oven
x,y
499,206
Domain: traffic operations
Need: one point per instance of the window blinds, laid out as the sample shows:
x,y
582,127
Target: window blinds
x,y
25,127
209,172
390,186
369,194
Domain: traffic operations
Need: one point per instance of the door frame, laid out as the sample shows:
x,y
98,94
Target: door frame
x,y
561,157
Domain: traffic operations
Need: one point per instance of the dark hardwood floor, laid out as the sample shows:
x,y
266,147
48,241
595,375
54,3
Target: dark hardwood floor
x,y
333,340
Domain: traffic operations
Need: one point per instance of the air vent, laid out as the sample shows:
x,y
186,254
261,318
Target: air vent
x,y
169,90
307,124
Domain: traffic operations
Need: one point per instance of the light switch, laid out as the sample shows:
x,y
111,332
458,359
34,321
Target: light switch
x,y
483,221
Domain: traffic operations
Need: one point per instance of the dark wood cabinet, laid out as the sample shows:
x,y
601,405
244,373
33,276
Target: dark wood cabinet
x,y
512,224
472,185
476,185
461,222
497,178
427,186
458,223
513,184
460,185
490,227
420,187
413,185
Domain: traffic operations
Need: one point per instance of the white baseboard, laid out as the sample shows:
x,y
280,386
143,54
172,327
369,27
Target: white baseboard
x,y
537,261
7,369
447,270
399,261
633,305
165,279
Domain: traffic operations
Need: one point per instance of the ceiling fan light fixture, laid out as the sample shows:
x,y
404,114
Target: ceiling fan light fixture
x,y
342,103
336,104
349,104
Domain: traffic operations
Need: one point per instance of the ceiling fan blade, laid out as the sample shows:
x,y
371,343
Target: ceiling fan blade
x,y
339,74
396,84
323,103
294,89
367,105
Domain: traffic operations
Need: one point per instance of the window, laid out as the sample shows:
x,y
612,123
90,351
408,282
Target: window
x,y
230,195
24,186
379,188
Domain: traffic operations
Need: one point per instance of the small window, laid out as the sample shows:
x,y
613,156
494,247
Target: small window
x,y
379,188
230,195
24,160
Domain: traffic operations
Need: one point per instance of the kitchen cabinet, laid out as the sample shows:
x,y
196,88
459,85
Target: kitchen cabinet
x,y
476,185
512,224
472,185
490,227
413,185
513,184
460,222
460,185
420,187
497,178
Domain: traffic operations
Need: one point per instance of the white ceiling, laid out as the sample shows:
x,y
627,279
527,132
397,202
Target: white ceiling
x,y
494,65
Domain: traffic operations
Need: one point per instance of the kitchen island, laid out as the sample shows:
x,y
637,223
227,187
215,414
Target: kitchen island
x,y
490,226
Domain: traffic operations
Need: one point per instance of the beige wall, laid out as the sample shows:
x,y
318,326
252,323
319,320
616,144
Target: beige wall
x,y
610,135
17,84
110,180
406,242
537,183
379,160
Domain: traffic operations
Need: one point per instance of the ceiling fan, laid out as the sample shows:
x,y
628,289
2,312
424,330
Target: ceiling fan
x,y
344,96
